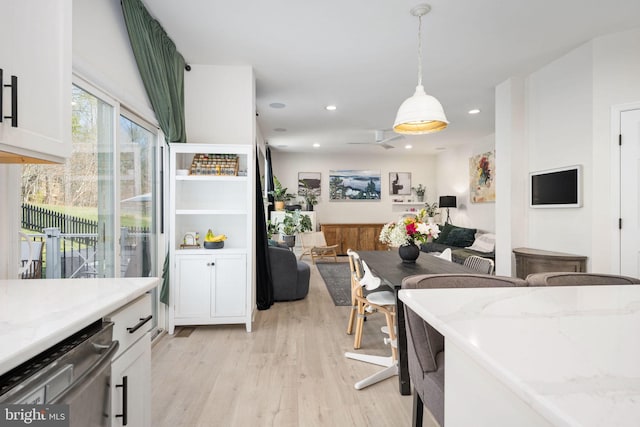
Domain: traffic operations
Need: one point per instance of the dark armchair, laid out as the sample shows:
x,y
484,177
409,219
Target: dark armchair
x,y
290,276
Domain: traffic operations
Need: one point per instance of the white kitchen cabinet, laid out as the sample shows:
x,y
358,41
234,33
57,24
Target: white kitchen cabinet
x,y
211,286
131,366
36,48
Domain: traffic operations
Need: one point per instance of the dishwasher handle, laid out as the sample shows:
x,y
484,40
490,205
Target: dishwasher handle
x,y
76,387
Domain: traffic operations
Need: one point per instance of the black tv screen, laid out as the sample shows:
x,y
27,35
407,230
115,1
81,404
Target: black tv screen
x,y
556,188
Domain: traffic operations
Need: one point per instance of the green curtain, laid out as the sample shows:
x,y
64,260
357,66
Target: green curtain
x,y
161,68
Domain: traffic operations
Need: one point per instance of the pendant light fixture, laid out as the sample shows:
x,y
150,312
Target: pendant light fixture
x,y
421,113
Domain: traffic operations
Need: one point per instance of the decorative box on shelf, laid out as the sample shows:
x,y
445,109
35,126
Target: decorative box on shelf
x,y
214,164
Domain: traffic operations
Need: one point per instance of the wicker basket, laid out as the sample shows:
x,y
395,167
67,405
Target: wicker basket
x,y
214,164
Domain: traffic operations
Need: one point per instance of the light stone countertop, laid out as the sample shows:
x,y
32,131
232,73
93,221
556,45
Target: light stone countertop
x,y
571,353
36,314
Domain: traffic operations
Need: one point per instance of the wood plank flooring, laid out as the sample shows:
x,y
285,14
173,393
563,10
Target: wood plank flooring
x,y
290,371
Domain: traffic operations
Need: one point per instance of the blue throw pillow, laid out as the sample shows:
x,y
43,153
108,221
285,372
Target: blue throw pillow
x,y
460,237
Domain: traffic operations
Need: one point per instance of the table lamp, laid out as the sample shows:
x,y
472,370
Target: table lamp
x,y
447,202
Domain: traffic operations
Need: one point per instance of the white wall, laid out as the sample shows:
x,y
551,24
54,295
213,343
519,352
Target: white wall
x,y
423,171
616,71
220,104
102,54
452,168
567,109
560,110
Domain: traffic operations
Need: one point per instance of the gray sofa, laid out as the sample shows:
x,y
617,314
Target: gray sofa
x,y
290,277
457,239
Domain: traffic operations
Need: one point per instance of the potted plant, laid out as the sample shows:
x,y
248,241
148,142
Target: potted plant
x,y
310,197
420,190
273,227
431,210
280,194
293,223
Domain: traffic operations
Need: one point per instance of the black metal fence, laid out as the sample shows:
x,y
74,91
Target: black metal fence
x,y
75,241
36,218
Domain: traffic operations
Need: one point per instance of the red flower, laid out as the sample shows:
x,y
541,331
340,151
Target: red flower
x,y
411,228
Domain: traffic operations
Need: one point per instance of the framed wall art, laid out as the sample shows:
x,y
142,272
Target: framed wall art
x,y
309,182
354,185
399,183
482,171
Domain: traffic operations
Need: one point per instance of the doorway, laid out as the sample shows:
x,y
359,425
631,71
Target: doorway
x,y
629,164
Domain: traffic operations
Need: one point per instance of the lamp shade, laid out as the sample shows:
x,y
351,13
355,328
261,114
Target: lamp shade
x,y
420,114
447,202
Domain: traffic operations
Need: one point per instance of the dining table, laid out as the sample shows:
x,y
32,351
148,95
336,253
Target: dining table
x,y
390,268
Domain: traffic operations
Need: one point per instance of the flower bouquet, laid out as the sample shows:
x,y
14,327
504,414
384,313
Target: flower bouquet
x,y
409,231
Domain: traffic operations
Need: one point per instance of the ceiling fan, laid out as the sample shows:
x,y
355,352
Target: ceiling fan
x,y
380,140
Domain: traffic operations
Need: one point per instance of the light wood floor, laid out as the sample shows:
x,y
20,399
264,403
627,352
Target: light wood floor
x,y
290,371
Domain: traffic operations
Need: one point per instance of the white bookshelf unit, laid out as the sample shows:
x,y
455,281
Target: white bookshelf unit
x,y
211,286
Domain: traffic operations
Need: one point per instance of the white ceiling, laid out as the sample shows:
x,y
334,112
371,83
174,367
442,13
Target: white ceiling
x,y
361,55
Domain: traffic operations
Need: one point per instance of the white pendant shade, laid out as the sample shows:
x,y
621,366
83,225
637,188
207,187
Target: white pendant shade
x,y
420,114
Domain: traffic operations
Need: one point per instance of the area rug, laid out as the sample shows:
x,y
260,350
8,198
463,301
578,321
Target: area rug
x,y
336,276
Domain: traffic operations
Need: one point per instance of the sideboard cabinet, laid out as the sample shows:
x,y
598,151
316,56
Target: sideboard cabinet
x,y
358,237
529,261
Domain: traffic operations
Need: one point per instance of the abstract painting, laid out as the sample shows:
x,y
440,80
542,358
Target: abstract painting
x,y
354,185
399,183
482,171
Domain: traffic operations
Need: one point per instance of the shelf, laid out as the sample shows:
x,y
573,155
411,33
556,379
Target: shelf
x,y
408,204
210,178
210,212
203,251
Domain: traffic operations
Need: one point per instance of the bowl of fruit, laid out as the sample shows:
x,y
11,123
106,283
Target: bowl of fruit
x,y
214,241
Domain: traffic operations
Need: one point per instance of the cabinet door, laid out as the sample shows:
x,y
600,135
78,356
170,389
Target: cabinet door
x,y
230,286
193,287
131,386
36,48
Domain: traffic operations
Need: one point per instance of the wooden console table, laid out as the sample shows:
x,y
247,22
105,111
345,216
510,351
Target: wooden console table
x,y
529,261
358,237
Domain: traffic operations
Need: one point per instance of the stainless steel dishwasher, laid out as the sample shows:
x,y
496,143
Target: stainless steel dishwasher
x,y
74,372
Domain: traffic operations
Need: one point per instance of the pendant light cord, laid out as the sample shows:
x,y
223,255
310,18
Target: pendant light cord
x,y
420,50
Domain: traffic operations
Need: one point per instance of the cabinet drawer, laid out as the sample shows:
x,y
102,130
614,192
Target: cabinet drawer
x,y
129,323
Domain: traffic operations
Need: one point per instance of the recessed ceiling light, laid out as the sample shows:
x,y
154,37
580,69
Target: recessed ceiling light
x,y
277,105
408,146
280,130
316,145
474,111
331,107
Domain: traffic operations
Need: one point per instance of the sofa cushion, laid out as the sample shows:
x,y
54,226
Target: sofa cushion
x,y
460,237
444,232
484,243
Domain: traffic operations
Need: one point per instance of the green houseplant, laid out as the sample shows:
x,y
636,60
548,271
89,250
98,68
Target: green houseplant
x,y
310,197
293,223
273,227
280,194
431,209
420,190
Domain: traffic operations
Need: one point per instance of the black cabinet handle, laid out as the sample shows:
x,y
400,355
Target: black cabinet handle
x,y
125,388
14,100
138,325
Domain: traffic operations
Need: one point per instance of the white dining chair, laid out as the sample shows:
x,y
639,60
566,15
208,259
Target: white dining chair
x,y
383,302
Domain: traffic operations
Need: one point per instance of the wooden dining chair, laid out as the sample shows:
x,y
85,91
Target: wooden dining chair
x,y
315,245
382,302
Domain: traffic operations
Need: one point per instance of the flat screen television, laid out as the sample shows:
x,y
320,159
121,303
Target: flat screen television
x,y
556,188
